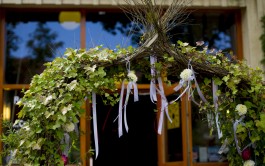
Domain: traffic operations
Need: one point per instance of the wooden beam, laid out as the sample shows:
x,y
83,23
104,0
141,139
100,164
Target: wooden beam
x,y
15,86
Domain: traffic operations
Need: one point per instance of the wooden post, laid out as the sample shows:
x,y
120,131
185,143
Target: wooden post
x,y
84,135
2,60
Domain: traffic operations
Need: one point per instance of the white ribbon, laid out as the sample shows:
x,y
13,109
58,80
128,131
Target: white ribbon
x,y
66,140
95,122
153,97
120,110
189,86
224,148
197,85
215,101
164,106
235,136
130,85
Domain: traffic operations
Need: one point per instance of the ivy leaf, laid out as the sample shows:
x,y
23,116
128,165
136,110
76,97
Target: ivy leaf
x,y
240,128
207,81
57,125
261,123
217,81
72,85
39,130
48,114
226,78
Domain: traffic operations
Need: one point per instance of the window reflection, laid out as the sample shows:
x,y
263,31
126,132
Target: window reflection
x,y
173,132
10,109
33,38
216,29
111,29
205,146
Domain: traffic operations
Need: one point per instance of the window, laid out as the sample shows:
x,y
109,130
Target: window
x,y
111,29
216,29
33,38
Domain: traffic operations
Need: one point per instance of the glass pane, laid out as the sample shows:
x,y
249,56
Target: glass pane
x,y
111,29
10,109
205,146
33,38
173,132
217,30
138,146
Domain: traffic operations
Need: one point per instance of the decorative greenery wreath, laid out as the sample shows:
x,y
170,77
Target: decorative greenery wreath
x,y
231,93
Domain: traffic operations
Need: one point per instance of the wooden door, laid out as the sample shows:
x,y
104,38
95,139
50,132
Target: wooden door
x,y
176,144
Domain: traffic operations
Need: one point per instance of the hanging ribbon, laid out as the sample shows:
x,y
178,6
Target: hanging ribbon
x,y
224,148
164,105
66,140
188,85
153,97
215,101
120,110
235,136
130,85
95,122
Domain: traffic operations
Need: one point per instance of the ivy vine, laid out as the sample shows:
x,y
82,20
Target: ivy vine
x,y
52,104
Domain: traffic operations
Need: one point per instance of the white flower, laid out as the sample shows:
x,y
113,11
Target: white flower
x,y
36,146
241,109
69,127
186,74
66,109
249,163
132,77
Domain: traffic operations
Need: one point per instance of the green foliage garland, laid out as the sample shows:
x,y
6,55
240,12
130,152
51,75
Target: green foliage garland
x,y
52,105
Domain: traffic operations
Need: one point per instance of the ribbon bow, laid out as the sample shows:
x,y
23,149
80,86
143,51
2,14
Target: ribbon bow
x,y
153,89
131,85
186,81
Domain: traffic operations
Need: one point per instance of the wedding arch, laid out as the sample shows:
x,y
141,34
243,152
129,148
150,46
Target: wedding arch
x,y
227,90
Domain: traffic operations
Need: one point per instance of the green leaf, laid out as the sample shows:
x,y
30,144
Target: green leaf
x,y
240,128
217,81
207,81
57,125
261,123
39,130
226,78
